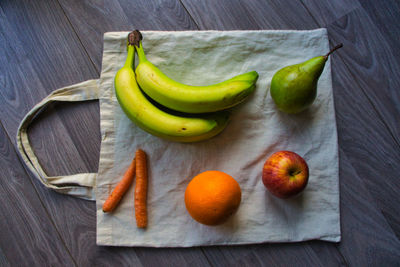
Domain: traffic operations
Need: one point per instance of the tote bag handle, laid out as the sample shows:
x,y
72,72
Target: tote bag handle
x,y
79,185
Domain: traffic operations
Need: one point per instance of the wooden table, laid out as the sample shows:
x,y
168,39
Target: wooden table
x,y
45,45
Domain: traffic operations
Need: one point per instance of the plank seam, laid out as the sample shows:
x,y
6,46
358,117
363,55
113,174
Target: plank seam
x,y
370,101
3,259
205,256
316,22
348,69
77,36
190,15
38,194
363,92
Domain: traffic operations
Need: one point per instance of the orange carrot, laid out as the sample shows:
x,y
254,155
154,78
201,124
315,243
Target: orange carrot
x,y
141,189
116,195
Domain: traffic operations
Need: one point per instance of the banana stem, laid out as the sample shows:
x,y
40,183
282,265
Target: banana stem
x,y
130,58
140,52
135,39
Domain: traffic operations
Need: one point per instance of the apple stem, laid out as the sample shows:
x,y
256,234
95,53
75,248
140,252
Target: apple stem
x,y
333,50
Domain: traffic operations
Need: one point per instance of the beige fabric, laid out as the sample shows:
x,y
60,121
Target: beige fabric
x,y
85,182
256,130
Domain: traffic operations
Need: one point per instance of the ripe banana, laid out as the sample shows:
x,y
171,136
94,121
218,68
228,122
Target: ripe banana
x,y
191,99
155,121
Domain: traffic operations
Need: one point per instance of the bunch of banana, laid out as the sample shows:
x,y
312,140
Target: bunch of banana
x,y
192,99
176,96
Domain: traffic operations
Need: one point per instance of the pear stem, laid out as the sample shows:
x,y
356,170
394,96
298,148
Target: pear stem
x,y
333,50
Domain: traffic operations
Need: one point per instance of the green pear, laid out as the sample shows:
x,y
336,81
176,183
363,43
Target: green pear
x,y
294,88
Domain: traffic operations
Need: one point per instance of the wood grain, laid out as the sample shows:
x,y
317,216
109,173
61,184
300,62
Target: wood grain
x,y
376,160
358,207
61,139
172,257
385,15
364,135
247,15
158,15
45,45
51,66
27,236
22,89
271,253
326,12
378,126
90,20
3,259
79,230
365,230
284,254
143,15
369,56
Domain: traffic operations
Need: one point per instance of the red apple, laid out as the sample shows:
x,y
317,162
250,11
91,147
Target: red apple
x,y
285,174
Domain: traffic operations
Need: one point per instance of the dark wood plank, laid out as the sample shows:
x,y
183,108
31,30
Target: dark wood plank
x,y
158,15
385,15
364,138
248,15
371,65
49,51
161,15
326,12
284,254
90,19
74,218
301,254
241,255
61,131
22,88
369,55
263,16
356,134
3,259
367,238
28,235
57,59
82,226
172,257
345,110
35,31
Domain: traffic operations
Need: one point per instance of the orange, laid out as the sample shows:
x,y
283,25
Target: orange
x,y
212,197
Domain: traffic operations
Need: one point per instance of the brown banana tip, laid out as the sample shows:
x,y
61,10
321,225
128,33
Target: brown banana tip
x,y
134,38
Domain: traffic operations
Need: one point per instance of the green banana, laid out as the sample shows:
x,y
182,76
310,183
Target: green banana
x,y
191,99
155,121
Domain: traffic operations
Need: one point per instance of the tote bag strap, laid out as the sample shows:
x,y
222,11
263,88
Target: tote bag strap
x,y
79,185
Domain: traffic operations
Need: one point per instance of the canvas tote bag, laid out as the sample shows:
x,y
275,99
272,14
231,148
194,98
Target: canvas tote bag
x,y
83,182
255,131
